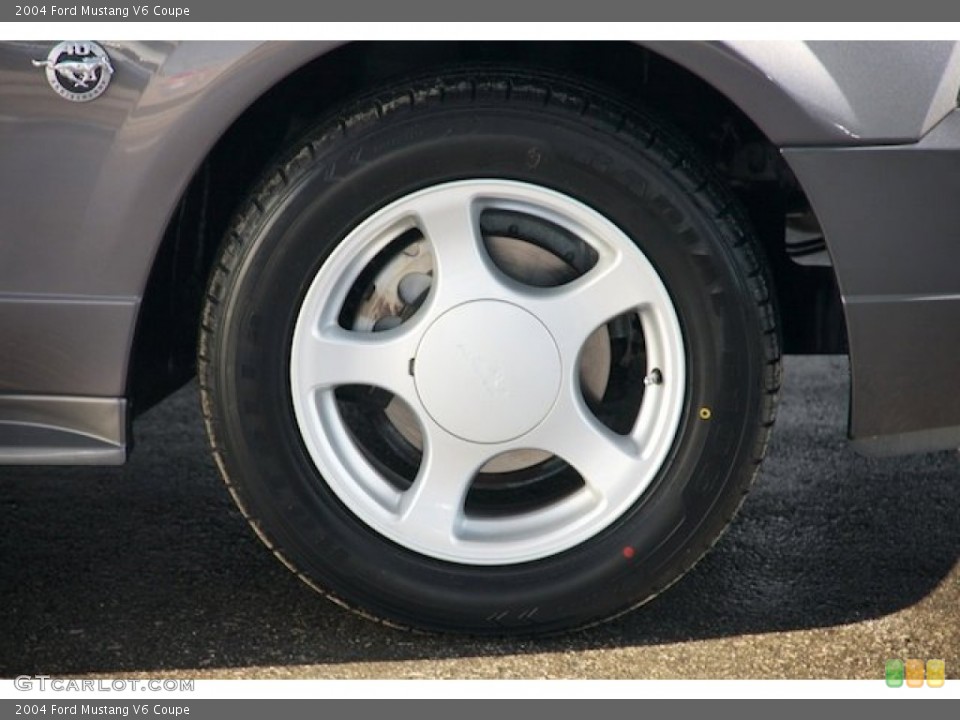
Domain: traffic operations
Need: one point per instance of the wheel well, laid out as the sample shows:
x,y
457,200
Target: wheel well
x,y
165,344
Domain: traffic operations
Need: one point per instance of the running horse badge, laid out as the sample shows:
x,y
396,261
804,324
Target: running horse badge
x,y
77,71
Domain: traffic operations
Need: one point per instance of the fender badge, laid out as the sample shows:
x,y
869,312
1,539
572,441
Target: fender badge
x,y
77,71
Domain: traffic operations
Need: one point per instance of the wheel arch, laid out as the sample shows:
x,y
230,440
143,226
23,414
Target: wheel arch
x,y
227,148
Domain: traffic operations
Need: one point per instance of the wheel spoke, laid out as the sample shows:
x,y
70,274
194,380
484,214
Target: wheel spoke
x,y
432,509
606,461
333,357
463,269
575,310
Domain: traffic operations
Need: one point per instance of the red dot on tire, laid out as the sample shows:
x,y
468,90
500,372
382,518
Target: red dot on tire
x,y
628,552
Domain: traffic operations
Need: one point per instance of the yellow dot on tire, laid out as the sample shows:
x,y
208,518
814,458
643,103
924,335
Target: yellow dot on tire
x,y
705,413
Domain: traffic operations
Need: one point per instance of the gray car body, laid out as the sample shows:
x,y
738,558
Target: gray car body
x,y
871,131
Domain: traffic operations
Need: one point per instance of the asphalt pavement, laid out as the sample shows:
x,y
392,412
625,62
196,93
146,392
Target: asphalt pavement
x,y
834,564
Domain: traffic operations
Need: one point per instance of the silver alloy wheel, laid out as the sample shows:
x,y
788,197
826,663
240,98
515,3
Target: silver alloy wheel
x,y
488,366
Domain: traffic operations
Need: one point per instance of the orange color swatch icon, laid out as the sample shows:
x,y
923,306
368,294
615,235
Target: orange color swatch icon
x,y
914,673
936,673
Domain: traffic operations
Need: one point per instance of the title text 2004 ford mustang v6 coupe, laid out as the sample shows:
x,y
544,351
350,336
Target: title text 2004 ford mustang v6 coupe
x,y
488,335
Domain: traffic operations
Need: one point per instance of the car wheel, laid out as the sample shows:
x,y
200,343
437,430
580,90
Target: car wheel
x,y
489,352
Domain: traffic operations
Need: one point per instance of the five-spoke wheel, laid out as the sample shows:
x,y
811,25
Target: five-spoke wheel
x,y
485,367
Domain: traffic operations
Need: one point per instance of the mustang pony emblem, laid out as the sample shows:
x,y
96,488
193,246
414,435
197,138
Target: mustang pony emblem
x,y
80,72
77,71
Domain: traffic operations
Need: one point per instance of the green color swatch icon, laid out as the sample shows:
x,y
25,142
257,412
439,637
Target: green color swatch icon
x,y
894,673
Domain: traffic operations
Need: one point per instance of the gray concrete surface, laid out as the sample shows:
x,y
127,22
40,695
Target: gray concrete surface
x,y
834,564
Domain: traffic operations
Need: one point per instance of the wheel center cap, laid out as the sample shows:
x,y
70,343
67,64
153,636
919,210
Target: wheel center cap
x,y
487,371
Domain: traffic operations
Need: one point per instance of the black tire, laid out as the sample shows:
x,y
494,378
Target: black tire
x,y
624,163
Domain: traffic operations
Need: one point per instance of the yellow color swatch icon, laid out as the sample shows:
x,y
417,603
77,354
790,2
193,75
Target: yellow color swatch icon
x,y
936,672
914,673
